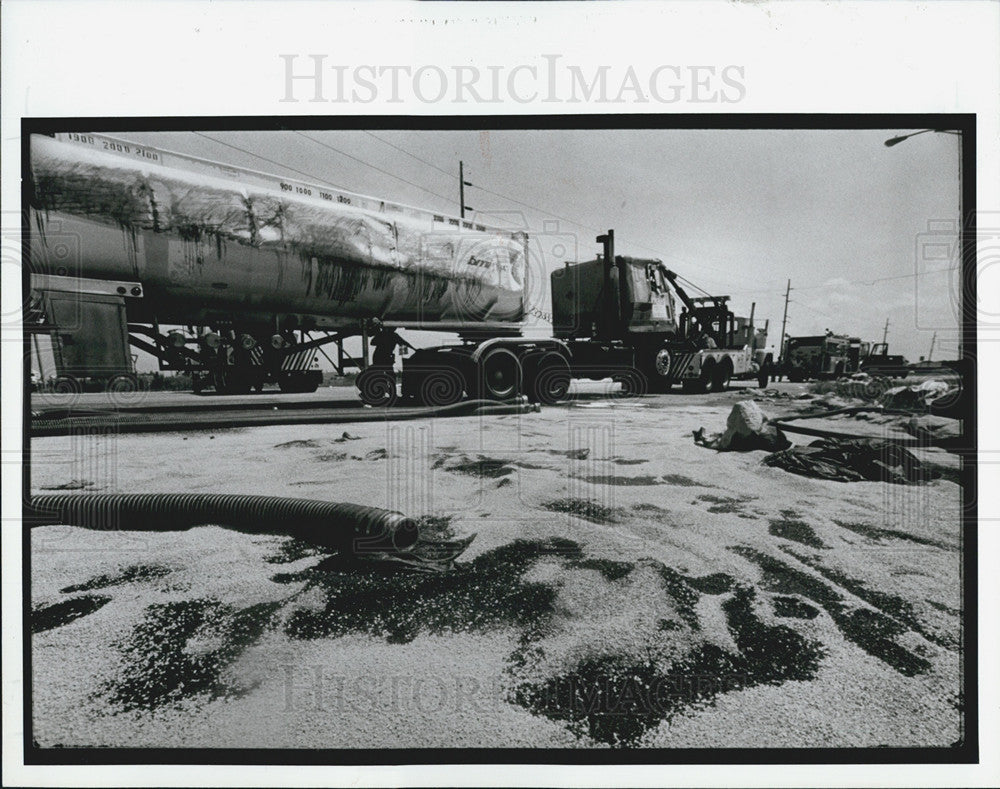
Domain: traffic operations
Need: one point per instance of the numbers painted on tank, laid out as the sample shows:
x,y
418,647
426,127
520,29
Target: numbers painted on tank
x,y
116,147
306,191
295,188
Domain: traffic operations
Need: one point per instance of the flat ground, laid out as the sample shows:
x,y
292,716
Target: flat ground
x,y
626,587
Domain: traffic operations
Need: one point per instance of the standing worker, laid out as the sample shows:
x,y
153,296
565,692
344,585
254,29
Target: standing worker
x,y
385,342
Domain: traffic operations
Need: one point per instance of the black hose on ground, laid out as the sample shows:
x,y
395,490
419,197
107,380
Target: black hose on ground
x,y
351,528
124,422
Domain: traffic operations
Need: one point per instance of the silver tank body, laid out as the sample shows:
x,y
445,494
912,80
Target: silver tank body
x,y
208,241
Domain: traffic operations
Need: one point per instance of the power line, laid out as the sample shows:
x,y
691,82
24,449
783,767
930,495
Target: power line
x,y
495,193
313,176
271,161
816,310
524,204
691,284
374,167
882,279
411,155
850,282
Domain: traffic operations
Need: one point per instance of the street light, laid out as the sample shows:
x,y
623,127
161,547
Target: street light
x,y
897,140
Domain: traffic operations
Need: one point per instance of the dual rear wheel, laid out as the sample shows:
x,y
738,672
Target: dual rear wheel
x,y
715,377
500,374
544,377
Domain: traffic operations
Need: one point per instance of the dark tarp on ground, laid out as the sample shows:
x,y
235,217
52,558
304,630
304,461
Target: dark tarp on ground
x,y
853,460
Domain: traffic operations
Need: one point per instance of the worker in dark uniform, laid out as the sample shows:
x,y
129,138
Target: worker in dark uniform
x,y
385,341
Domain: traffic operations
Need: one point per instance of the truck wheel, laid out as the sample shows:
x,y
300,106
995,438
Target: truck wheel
x,y
658,374
550,379
722,376
230,382
709,377
499,375
293,383
123,389
377,387
67,390
633,383
440,387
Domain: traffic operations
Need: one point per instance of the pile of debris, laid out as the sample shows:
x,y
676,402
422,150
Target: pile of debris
x,y
936,430
747,428
862,386
924,397
844,458
853,460
772,394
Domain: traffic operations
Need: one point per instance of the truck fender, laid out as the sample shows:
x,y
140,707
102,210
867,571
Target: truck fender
x,y
520,346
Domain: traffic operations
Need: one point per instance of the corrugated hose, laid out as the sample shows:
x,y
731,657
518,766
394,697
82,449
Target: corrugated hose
x,y
351,528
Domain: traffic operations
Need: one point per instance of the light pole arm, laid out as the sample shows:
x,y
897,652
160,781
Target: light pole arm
x,y
897,140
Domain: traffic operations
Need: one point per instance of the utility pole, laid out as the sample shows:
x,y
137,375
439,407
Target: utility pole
x,y
784,322
930,354
462,183
885,331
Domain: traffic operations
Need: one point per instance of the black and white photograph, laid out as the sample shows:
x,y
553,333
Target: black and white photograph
x,y
312,469
572,435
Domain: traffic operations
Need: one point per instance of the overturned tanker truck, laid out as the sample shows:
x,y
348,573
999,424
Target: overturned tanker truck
x,y
241,278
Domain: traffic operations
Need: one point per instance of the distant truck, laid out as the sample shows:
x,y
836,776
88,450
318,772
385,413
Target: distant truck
x,y
878,361
834,355
818,356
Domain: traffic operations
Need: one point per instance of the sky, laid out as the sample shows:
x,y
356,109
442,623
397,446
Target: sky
x,y
860,229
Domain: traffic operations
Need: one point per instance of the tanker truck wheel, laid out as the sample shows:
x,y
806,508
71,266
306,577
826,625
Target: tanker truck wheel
x,y
377,387
499,375
549,379
441,386
124,389
65,391
229,382
296,383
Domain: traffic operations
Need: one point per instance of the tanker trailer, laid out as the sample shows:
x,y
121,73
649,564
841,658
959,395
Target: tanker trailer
x,y
125,240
